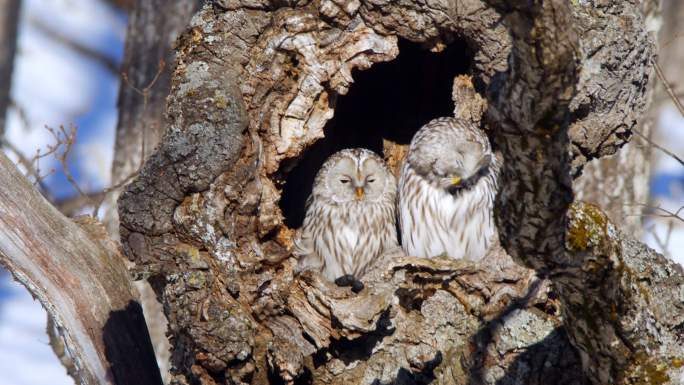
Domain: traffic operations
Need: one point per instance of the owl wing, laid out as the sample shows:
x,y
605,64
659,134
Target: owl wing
x,y
304,249
307,257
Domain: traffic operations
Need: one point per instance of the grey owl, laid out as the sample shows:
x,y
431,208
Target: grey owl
x,y
350,216
446,191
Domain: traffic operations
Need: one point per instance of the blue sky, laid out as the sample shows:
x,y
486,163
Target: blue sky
x,y
56,85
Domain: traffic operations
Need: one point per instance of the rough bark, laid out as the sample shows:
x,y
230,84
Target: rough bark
x,y
255,89
152,31
619,183
148,61
79,276
9,19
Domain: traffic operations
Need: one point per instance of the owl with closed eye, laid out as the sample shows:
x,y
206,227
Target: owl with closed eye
x,y
350,215
447,188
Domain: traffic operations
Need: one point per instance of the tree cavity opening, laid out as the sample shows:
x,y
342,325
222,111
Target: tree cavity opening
x,y
391,100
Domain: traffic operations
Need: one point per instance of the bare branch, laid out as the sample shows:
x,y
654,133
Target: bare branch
x,y
663,244
73,205
659,147
145,93
65,141
663,213
668,88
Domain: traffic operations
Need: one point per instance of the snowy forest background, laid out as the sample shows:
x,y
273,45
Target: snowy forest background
x,y
66,74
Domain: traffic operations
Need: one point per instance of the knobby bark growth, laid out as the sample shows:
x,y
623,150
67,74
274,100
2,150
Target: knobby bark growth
x,y
211,218
619,183
153,27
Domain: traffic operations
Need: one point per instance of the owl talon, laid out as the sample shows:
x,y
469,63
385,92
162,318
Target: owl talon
x,y
348,280
357,286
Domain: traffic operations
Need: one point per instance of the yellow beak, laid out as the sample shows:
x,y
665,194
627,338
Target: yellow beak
x,y
455,181
359,192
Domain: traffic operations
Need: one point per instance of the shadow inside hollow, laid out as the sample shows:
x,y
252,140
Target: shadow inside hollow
x,y
358,349
391,100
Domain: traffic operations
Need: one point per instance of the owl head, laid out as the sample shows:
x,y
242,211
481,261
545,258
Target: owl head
x,y
354,175
451,154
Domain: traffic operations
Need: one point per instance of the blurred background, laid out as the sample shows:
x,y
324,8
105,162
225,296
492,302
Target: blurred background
x,y
67,74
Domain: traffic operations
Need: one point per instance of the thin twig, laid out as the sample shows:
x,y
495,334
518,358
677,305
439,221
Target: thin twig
x,y
675,37
664,245
66,140
23,160
28,164
665,213
145,93
109,189
668,88
659,147
71,206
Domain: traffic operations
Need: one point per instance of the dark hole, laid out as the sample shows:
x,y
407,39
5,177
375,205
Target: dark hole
x,y
390,100
128,347
358,349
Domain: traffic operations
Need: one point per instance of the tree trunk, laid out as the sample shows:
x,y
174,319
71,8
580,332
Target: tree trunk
x,y
211,218
148,63
153,28
9,19
619,183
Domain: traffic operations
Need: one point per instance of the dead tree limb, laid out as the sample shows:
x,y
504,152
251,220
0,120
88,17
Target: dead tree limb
x,y
80,278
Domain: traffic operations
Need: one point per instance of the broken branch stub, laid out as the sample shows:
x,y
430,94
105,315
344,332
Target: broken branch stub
x,y
255,85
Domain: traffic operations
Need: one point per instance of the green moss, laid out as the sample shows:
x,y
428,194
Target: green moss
x,y
645,371
188,251
220,100
195,279
587,227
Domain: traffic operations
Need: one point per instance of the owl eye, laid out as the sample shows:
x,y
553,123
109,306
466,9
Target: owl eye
x,y
371,180
344,181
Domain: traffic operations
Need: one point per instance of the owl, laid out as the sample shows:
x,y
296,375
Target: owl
x,y
447,188
350,216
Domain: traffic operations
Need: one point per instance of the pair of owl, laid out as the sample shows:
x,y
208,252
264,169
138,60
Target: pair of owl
x,y
445,201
